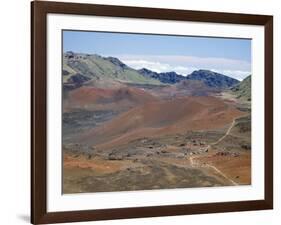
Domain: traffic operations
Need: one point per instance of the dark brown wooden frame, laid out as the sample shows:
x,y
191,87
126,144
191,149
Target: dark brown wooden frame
x,y
39,11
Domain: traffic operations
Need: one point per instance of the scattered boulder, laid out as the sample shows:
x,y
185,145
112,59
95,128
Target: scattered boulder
x,y
246,146
128,155
113,156
222,153
202,143
180,156
235,154
143,141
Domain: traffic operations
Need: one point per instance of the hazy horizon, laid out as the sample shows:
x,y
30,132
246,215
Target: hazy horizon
x,y
166,53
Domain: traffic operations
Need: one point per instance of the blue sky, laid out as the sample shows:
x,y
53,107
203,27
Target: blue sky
x,y
163,53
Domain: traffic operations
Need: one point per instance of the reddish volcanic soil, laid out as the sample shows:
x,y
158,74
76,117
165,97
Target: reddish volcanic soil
x,y
125,138
106,99
162,117
99,165
237,169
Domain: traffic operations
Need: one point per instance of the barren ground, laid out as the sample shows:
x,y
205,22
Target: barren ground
x,y
154,143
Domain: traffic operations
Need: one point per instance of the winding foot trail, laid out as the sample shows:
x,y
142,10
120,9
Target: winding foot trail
x,y
195,164
227,132
224,136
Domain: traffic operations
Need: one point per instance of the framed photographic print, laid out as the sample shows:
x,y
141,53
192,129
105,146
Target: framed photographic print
x,y
143,112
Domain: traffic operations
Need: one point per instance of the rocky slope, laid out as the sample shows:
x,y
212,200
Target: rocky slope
x,y
213,79
210,78
243,89
81,68
167,78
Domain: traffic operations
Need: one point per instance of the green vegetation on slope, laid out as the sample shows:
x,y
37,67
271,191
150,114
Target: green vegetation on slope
x,y
101,68
243,89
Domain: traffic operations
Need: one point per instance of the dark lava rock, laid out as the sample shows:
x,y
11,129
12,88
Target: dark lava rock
x,y
213,79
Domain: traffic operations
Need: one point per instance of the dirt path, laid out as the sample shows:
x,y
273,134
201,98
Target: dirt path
x,y
224,136
222,174
227,133
195,164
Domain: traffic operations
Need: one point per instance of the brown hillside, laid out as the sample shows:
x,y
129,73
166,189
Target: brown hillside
x,y
184,88
106,99
162,118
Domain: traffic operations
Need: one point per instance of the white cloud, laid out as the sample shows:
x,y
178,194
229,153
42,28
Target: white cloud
x,y
237,74
155,66
187,64
158,67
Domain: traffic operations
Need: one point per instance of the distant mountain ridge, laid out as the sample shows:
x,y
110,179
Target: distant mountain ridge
x,y
167,77
213,79
210,78
80,68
